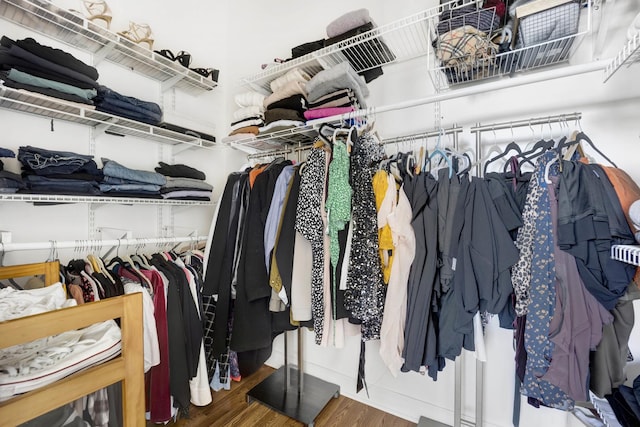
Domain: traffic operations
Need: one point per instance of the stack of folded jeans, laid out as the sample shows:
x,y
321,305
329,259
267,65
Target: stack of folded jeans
x,y
184,183
110,101
120,181
58,172
26,64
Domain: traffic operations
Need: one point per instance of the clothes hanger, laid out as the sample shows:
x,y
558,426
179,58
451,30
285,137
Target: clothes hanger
x,y
440,152
512,146
583,137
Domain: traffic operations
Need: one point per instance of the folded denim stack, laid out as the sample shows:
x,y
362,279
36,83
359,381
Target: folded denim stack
x,y
286,105
338,90
58,172
184,183
120,181
249,116
110,101
26,64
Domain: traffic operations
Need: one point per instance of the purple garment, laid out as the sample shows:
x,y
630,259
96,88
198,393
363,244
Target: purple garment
x,y
576,327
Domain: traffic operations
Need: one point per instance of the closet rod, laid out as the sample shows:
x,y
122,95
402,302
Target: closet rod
x,y
421,135
530,122
284,152
96,243
557,73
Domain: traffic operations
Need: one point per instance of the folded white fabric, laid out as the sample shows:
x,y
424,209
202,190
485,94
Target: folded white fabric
x,y
295,74
26,367
347,22
15,303
245,112
291,88
247,99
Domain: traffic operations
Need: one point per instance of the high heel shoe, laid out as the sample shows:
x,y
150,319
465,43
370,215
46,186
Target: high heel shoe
x,y
138,33
96,10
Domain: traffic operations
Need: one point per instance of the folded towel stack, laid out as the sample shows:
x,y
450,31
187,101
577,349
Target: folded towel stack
x,y
250,113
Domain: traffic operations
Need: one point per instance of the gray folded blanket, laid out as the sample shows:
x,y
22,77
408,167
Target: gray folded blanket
x,y
342,76
347,22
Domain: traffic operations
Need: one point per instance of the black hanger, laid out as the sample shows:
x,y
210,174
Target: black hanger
x,y
468,168
583,137
537,150
323,136
512,146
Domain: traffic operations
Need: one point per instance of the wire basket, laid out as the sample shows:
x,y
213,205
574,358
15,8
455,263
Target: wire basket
x,y
484,50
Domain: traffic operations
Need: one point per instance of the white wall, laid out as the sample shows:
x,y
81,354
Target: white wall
x,y
262,31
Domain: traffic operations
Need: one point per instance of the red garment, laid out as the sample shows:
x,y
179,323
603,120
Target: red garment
x,y
159,394
157,385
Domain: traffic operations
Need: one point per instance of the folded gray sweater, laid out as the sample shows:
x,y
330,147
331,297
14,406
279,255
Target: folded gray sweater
x,y
342,76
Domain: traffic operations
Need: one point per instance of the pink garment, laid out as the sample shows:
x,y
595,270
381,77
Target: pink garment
x,y
318,113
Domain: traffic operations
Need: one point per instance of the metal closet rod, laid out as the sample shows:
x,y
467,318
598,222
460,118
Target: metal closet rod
x,y
96,243
398,139
560,118
422,135
557,73
279,152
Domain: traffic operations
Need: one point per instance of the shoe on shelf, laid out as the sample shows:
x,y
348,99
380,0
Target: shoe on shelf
x,y
206,72
138,33
96,10
183,58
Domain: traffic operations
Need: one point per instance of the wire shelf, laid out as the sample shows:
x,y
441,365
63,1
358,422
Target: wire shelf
x,y
65,199
302,135
626,253
398,41
45,106
629,55
528,52
64,26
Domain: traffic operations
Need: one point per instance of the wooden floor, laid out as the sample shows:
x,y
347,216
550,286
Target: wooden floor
x,y
229,408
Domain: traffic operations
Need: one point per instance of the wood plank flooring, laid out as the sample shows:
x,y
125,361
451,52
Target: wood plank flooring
x,y
230,408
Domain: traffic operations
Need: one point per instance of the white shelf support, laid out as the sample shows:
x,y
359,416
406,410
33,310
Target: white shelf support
x,y
101,54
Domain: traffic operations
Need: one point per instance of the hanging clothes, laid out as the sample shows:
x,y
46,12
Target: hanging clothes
x,y
395,307
252,328
309,224
364,297
420,335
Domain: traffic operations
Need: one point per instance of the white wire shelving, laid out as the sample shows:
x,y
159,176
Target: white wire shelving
x,y
52,21
468,70
66,199
398,41
45,106
626,253
628,55
300,135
